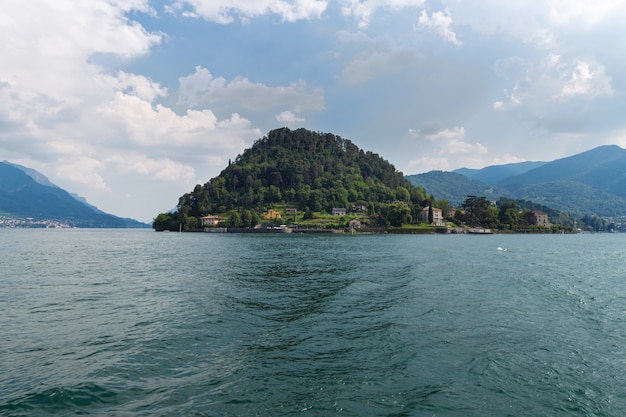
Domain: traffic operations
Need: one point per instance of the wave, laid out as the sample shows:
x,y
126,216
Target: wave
x,y
60,400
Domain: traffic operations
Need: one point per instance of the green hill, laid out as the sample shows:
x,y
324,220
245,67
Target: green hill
x,y
310,171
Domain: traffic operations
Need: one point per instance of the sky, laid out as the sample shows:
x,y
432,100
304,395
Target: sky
x,y
131,103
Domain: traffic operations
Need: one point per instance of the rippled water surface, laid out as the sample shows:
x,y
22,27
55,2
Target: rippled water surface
x,y
138,323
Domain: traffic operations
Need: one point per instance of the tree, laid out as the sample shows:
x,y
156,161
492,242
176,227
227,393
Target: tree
x,y
529,218
445,207
162,222
508,214
316,200
192,223
478,212
234,220
431,218
274,195
403,194
398,214
511,216
249,218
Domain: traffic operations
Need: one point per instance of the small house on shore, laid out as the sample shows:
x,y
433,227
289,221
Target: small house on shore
x,y
437,216
354,224
541,218
272,214
210,220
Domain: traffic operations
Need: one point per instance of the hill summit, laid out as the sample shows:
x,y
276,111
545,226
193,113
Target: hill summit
x,y
306,170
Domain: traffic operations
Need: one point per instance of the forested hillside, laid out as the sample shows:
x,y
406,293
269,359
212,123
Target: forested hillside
x,y
309,171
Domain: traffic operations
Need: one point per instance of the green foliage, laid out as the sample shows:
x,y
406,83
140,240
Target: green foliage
x,y
478,212
430,213
395,214
445,207
593,224
515,215
310,171
192,223
165,221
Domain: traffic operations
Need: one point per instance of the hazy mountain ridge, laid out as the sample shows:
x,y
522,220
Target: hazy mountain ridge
x,y
453,187
26,193
35,175
592,182
496,173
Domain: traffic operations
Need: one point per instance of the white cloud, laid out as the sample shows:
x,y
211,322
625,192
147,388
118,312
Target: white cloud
x,y
567,12
82,170
444,147
363,10
47,46
85,126
587,79
164,169
507,159
554,79
288,117
430,163
225,11
440,22
448,141
49,85
159,127
139,86
546,23
201,88
526,21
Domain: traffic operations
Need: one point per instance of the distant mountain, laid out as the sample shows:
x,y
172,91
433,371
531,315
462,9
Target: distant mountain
x,y
592,182
454,187
37,176
25,193
495,173
603,168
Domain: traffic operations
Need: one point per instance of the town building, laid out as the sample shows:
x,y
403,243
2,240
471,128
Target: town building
x,y
210,220
542,218
354,224
272,214
437,216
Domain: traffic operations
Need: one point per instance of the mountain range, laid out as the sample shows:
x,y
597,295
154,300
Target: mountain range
x,y
28,194
592,182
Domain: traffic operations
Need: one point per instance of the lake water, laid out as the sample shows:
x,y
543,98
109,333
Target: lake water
x,y
138,323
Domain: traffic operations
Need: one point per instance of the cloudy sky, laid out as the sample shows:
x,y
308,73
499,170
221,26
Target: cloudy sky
x,y
130,103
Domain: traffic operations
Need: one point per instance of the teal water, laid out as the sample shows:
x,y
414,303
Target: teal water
x,y
138,323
